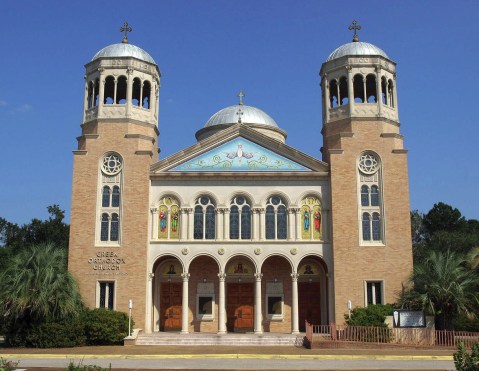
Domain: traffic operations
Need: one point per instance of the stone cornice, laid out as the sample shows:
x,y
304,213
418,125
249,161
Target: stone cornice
x,y
290,175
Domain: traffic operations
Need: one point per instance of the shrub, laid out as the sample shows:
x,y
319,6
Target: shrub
x,y
465,361
105,327
57,334
372,315
81,367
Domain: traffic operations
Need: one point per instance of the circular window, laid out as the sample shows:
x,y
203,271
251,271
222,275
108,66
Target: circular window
x,y
368,163
111,164
240,200
204,200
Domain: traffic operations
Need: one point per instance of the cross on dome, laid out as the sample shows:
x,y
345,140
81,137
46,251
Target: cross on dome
x,y
239,113
241,95
125,29
355,26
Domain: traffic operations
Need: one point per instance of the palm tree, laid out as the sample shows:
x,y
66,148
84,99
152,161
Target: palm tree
x,y
444,286
36,285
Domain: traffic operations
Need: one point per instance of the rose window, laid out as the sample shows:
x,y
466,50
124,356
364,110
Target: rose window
x,y
368,164
111,164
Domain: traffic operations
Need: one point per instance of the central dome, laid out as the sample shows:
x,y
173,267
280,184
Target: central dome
x,y
249,115
124,50
356,48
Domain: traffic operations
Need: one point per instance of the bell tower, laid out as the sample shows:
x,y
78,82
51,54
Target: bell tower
x,y
110,190
369,177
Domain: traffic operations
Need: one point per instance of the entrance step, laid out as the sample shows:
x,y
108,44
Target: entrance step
x,y
196,339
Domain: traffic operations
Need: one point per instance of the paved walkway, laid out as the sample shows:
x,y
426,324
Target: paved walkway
x,y
233,358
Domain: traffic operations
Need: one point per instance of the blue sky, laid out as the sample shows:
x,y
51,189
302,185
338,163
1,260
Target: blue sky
x,y
207,51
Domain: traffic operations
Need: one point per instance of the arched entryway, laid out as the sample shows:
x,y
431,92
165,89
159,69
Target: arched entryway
x,y
167,294
240,299
277,295
312,292
203,295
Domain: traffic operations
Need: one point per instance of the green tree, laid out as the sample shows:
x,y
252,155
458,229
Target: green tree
x,y
443,217
36,286
443,285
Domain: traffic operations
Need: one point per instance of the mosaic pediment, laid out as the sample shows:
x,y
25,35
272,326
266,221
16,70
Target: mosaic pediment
x,y
240,154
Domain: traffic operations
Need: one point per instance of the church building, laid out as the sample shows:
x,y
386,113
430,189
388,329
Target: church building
x,y
240,232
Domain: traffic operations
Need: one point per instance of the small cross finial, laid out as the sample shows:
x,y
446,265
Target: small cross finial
x,y
355,26
239,113
241,95
125,29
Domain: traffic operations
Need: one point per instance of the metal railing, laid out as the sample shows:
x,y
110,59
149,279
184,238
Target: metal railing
x,y
337,335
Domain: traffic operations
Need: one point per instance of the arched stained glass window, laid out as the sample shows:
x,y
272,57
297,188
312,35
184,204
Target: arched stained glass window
x,y
240,219
364,195
374,195
105,199
311,219
105,221
169,215
204,219
376,227
366,227
276,219
115,197
115,226
370,208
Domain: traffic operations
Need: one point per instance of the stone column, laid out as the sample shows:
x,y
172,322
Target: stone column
x,y
222,304
350,89
258,318
85,101
154,223
226,221
291,216
327,102
115,86
183,224
149,303
395,95
101,91
184,304
378,91
219,224
298,223
364,90
191,220
262,223
294,307
129,89
256,226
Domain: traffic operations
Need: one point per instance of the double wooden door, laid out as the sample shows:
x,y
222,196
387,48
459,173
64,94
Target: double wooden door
x,y
309,306
240,307
170,306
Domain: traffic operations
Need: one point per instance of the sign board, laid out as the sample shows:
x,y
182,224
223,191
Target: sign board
x,y
408,318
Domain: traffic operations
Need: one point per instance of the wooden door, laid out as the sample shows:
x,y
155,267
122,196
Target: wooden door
x,y
240,307
170,306
309,306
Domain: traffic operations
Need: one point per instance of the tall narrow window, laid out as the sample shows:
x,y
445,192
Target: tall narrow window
x,y
146,99
370,206
204,219
374,292
371,93
109,90
333,94
105,200
276,219
358,89
136,92
169,214
105,227
311,219
106,295
343,91
109,199
240,219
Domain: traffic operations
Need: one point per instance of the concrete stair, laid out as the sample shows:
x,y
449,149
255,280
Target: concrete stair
x,y
198,339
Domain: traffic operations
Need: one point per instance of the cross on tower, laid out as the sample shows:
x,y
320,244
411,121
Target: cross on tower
x,y
355,26
241,95
125,29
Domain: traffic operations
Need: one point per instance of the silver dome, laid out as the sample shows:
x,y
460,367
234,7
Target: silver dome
x,y
356,48
251,115
124,50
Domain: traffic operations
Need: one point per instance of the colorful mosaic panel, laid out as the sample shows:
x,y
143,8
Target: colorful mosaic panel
x,y
240,154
